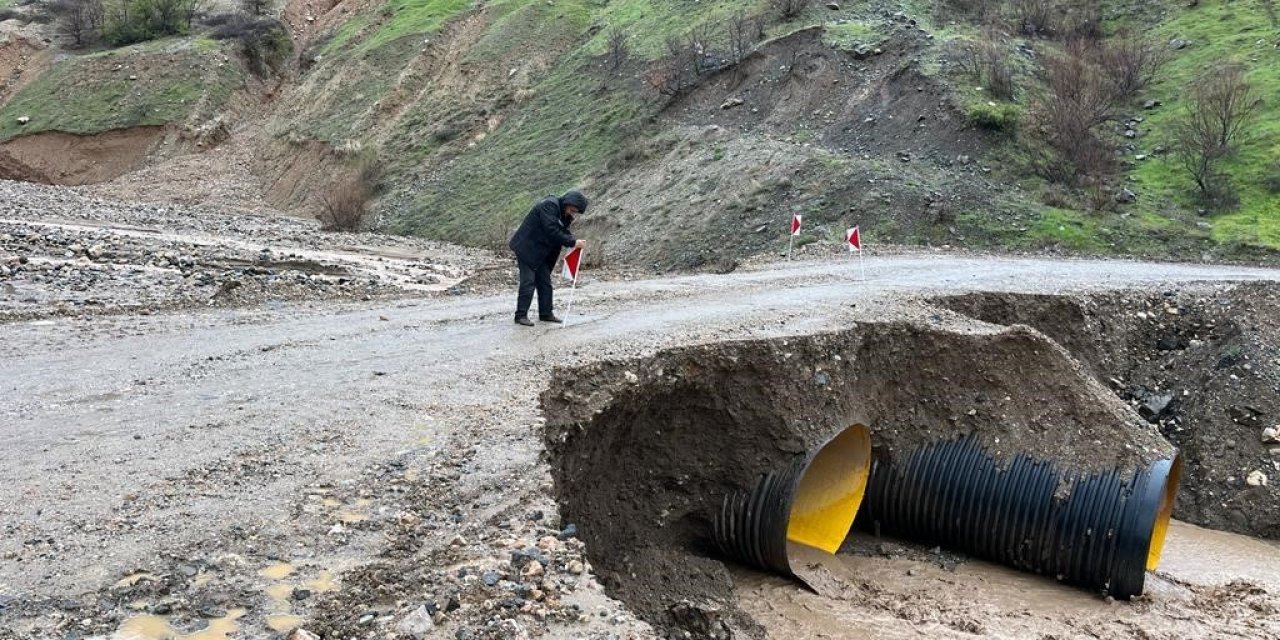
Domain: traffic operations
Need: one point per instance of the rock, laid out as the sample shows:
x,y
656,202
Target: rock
x,y
834,6
1150,104
532,570
24,119
1271,434
570,531
418,624
1177,44
1126,196
490,578
575,567
731,103
302,634
1256,479
548,543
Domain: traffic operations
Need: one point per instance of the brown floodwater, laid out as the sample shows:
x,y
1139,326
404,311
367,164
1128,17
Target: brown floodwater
x,y
1209,585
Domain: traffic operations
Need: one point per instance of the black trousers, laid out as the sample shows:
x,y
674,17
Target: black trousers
x,y
534,277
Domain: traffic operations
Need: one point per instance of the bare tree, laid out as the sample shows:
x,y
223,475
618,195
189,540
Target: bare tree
x,y
788,9
618,46
1078,100
743,34
255,7
81,20
1131,62
1222,106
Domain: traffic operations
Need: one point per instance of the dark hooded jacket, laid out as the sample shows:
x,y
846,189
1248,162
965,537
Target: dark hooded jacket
x,y
543,233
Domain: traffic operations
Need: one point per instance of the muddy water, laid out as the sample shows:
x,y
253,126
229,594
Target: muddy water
x,y
1209,585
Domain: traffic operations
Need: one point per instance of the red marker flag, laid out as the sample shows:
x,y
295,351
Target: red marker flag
x,y
571,264
795,224
854,238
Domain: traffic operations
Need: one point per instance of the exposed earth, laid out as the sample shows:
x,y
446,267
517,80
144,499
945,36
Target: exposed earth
x,y
373,461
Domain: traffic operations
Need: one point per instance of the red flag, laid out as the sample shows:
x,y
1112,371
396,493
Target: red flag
x,y
571,264
795,224
854,238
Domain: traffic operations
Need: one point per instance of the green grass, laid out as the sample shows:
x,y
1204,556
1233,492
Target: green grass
x,y
416,18
854,33
84,95
1220,31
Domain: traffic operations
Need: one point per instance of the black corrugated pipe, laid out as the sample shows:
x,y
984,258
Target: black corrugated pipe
x,y
1100,531
810,501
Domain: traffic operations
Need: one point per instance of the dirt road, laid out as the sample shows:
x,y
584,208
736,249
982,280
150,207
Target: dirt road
x,y
192,464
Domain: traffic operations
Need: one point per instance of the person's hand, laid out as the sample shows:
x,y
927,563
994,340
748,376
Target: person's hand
x,y
580,244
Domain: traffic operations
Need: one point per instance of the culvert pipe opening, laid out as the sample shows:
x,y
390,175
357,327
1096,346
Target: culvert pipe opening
x,y
1161,527
811,502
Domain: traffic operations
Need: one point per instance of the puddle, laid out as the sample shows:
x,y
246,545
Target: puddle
x,y
149,627
1210,584
277,571
323,583
284,623
279,594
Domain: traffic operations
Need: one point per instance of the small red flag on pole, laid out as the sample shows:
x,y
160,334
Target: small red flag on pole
x,y
796,220
854,238
572,263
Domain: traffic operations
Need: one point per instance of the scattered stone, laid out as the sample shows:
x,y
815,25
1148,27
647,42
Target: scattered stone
x,y
1126,196
302,634
1177,44
570,531
24,119
731,103
418,624
1256,479
834,6
575,567
1271,434
1151,104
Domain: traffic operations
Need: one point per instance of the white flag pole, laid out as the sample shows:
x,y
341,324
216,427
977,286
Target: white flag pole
x,y
791,240
573,291
862,262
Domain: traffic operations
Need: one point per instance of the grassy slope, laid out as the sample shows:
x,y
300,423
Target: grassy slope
x,y
85,94
575,122
571,126
1220,31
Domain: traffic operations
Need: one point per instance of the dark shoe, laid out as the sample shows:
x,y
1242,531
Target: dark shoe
x,y
524,321
551,318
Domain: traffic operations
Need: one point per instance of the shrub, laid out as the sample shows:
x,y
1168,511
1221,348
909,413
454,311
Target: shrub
x,y
255,7
988,63
81,20
1079,98
1222,106
129,21
618,47
264,43
345,206
994,116
1271,181
1132,63
789,9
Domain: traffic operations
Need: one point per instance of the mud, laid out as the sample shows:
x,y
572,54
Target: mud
x,y
1211,585
1201,363
644,451
69,159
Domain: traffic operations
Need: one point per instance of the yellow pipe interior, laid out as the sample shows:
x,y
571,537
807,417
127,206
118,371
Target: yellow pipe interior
x,y
1161,528
831,491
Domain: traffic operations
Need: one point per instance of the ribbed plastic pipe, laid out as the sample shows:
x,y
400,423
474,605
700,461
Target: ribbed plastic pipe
x,y
1100,531
810,501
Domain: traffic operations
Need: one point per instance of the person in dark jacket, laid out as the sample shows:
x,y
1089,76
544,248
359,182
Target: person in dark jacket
x,y
537,244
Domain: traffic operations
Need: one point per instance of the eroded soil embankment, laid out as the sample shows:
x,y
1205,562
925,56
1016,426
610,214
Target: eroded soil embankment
x,y
61,158
643,451
1201,363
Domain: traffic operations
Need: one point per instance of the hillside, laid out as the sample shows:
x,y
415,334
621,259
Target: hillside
x,y
699,127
